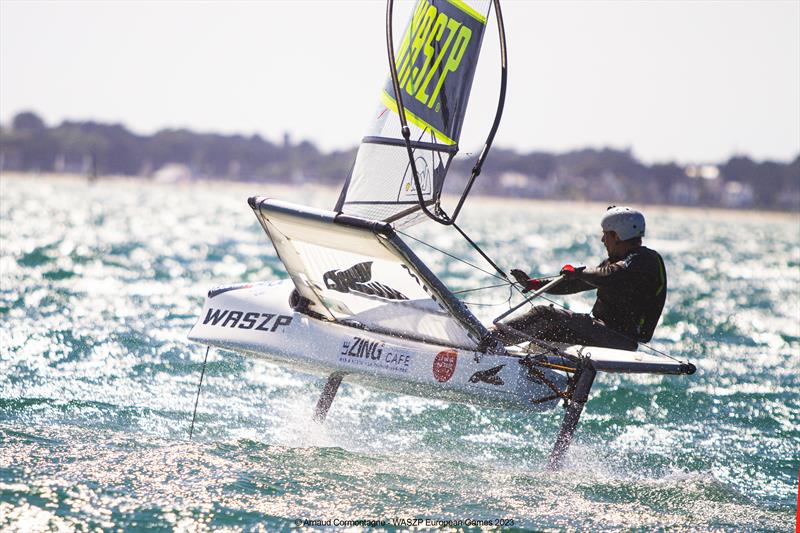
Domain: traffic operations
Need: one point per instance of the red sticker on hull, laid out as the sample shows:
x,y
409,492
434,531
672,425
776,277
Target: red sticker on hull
x,y
444,365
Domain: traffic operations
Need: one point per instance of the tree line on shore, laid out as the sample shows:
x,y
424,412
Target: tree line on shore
x,y
29,145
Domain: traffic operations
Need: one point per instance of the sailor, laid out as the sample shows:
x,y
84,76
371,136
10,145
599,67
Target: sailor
x,y
631,288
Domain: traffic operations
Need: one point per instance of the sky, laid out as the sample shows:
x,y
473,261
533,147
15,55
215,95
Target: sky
x,y
686,81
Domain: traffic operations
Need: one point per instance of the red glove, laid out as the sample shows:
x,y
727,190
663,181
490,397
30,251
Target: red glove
x,y
533,284
571,272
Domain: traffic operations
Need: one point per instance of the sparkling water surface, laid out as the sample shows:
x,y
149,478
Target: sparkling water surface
x,y
101,283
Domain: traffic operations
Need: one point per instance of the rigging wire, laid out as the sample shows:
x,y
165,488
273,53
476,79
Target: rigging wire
x,y
462,291
480,251
507,301
476,267
479,304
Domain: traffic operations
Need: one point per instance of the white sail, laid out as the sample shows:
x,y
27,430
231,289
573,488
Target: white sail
x,y
436,60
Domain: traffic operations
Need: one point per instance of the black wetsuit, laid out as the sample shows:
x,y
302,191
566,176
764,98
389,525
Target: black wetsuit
x,y
630,297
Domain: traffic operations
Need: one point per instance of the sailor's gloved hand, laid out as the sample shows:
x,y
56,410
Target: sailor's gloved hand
x,y
521,277
571,272
528,283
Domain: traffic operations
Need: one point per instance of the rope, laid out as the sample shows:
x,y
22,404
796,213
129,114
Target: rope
x,y
197,399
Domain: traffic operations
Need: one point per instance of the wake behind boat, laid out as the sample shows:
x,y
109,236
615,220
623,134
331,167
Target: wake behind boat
x,y
360,305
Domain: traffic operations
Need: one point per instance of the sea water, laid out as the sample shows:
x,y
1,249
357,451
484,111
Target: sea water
x,y
102,281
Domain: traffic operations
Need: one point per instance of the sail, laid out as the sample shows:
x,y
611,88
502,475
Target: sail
x,y
435,60
359,272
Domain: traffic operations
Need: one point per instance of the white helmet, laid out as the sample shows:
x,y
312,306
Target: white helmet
x,y
627,223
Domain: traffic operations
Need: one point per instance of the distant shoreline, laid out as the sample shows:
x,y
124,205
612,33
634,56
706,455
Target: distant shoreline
x,y
590,174
291,190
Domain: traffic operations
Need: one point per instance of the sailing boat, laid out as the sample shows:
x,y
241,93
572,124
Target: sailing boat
x,y
359,304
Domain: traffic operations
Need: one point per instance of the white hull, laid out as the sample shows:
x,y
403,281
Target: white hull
x,y
257,320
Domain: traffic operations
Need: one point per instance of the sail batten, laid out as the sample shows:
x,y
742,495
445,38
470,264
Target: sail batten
x,y
447,148
435,60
